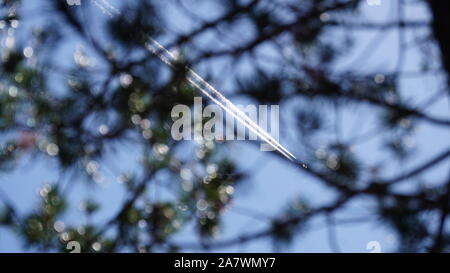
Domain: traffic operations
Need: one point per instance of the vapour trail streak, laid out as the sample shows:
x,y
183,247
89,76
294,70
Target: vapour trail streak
x,y
208,90
216,96
193,83
228,110
105,9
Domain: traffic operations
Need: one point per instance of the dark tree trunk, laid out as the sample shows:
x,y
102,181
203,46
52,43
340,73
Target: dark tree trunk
x,y
441,27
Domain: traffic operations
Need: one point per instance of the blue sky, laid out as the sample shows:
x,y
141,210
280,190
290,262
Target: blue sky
x,y
274,182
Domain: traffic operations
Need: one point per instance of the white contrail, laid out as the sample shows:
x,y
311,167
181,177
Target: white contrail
x,y
208,90
219,99
106,8
111,8
287,155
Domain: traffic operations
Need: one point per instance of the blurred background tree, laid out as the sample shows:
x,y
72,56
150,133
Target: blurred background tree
x,y
79,88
